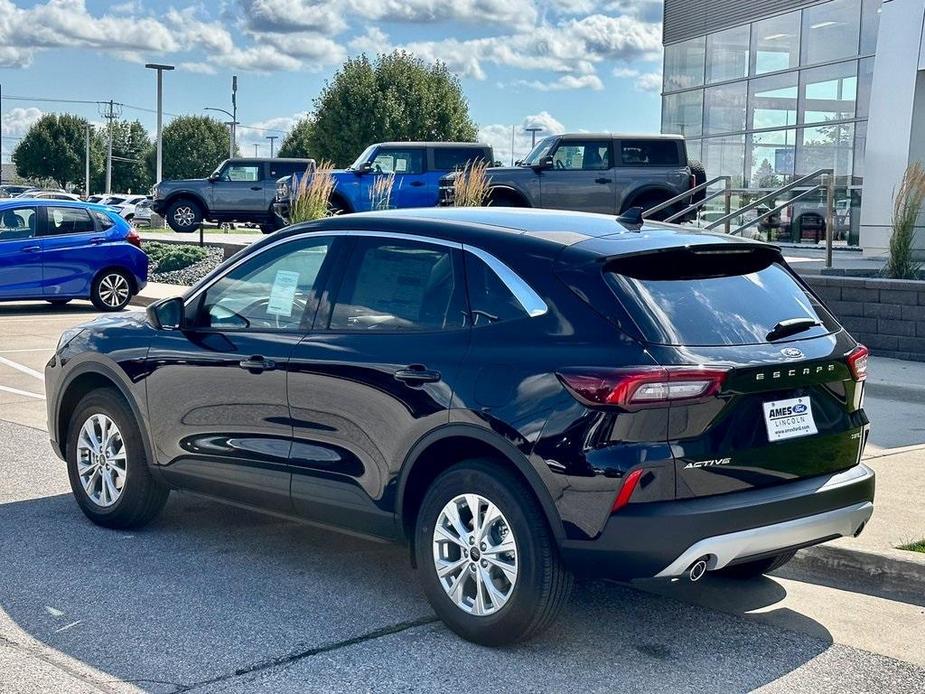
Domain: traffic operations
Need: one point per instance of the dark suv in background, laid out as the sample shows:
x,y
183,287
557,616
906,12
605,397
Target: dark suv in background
x,y
594,173
518,394
239,190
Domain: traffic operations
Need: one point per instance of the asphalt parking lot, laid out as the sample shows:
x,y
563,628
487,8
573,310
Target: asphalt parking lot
x,y
210,598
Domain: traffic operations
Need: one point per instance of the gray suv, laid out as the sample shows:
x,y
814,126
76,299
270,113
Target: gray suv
x,y
593,173
239,190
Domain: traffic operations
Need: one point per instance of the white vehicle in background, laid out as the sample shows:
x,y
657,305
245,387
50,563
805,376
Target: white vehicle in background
x,y
126,205
48,195
97,199
144,212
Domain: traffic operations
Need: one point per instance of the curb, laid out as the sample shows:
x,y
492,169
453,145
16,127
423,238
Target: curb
x,y
891,569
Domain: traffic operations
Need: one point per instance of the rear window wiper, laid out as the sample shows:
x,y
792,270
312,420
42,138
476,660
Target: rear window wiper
x,y
790,326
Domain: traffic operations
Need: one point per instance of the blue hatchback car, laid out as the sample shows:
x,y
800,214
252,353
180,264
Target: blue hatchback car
x,y
59,250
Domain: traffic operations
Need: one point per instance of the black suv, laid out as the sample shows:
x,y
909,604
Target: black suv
x,y
518,394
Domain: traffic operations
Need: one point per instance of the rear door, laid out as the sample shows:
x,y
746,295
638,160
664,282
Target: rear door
x,y
20,253
73,250
790,406
582,177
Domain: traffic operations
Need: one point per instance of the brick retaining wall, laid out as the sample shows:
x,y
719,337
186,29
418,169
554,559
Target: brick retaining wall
x,y
886,315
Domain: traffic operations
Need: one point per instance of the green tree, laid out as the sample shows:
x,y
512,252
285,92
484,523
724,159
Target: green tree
x,y
193,146
397,97
130,141
297,142
54,149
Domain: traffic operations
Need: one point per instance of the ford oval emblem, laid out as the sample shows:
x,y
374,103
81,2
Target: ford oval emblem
x,y
799,409
792,353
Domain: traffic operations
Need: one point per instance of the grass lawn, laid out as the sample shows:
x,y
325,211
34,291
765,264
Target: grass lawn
x,y
915,546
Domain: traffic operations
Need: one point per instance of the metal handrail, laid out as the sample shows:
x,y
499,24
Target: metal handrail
x,y
686,194
790,201
773,195
696,205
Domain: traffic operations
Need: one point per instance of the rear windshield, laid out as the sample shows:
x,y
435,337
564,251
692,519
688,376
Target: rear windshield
x,y
715,298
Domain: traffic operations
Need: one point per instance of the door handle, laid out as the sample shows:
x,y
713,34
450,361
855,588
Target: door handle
x,y
603,180
256,364
256,188
417,374
416,184
31,249
97,242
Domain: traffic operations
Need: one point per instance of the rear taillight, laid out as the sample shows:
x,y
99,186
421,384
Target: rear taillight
x,y
857,362
693,183
644,386
133,238
626,491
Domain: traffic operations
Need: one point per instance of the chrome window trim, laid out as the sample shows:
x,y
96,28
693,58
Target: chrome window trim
x,y
531,302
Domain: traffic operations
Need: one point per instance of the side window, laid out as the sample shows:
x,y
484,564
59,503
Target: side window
x,y
103,219
399,161
286,168
490,300
270,292
456,158
242,172
649,153
18,223
400,285
582,156
69,220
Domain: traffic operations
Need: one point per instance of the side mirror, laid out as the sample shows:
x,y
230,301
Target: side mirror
x,y
168,314
544,163
214,176
365,168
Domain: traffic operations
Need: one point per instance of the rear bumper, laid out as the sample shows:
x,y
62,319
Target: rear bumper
x,y
663,539
281,210
159,207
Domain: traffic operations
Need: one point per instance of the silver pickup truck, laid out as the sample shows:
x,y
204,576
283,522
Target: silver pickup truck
x,y
593,173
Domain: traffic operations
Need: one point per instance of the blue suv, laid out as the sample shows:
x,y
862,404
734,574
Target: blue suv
x,y
417,166
58,251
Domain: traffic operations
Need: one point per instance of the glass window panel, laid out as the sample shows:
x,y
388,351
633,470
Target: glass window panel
x,y
724,108
684,64
725,156
771,158
831,31
776,43
865,78
693,149
826,147
727,54
17,224
772,101
828,93
682,113
860,145
870,25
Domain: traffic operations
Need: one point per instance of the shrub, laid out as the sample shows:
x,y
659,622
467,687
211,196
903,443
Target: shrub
x,y
907,204
470,187
311,198
168,257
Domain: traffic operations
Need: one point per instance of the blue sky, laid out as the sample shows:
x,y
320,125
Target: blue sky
x,y
556,64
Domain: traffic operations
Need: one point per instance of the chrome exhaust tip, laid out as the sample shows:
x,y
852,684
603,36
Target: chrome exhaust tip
x,y
697,570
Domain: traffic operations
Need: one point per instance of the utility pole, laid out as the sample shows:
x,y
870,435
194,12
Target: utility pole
x,y
272,139
234,112
255,150
230,125
512,145
87,163
160,116
110,114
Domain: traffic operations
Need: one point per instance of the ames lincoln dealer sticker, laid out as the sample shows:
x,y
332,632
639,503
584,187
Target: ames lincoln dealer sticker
x,y
787,419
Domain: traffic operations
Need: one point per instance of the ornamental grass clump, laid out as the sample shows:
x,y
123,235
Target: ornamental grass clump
x,y
380,192
311,199
470,187
907,205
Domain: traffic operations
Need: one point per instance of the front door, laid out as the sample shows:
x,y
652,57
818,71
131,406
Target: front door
x,y
581,178
218,389
72,251
376,373
240,188
20,254
409,182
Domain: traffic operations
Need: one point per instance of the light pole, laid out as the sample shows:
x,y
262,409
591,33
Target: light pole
x,y
272,139
255,150
533,131
230,125
234,111
160,116
87,164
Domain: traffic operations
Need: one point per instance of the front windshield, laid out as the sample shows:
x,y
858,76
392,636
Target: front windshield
x,y
218,169
543,147
364,158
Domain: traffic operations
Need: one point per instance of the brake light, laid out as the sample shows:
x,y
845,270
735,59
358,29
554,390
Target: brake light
x,y
857,362
133,238
643,386
626,491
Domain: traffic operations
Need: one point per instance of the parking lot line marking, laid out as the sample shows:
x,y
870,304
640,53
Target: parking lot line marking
x,y
25,369
17,391
35,349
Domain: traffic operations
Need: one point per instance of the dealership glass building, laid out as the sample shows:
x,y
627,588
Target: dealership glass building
x,y
768,90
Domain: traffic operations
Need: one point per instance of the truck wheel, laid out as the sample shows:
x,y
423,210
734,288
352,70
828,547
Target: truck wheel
x,y
700,176
503,198
184,216
486,557
759,567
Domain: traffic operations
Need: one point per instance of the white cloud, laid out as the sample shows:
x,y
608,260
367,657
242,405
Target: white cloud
x,y
257,132
288,16
318,50
563,83
198,68
17,121
625,72
257,59
499,135
12,57
519,13
192,31
649,82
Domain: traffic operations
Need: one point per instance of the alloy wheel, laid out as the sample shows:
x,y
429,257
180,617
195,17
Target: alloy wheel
x,y
101,459
184,216
114,290
475,554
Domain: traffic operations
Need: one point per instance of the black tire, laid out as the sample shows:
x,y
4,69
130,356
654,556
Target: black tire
x,y
111,290
759,567
700,176
184,215
58,302
542,583
337,206
142,497
504,198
